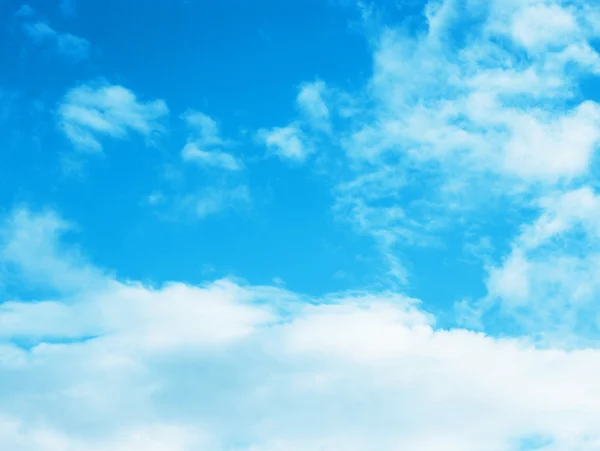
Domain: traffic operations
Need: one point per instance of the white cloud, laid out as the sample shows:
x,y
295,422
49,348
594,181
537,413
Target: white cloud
x,y
89,112
31,243
288,143
214,200
296,141
539,25
560,148
206,129
212,158
311,102
204,146
479,108
548,283
66,44
230,366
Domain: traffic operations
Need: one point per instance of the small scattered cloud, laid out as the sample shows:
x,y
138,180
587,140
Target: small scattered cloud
x,y
288,143
311,102
90,112
191,152
65,44
205,144
213,200
296,141
25,11
204,128
156,198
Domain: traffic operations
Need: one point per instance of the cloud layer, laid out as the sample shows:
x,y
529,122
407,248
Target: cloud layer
x,y
475,114
121,365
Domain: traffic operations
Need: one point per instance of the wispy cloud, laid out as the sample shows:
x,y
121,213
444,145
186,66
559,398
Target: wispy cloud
x,y
214,158
66,44
311,102
25,11
470,116
205,144
91,111
288,143
213,200
299,139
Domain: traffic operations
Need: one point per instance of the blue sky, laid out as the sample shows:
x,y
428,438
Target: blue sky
x,y
285,225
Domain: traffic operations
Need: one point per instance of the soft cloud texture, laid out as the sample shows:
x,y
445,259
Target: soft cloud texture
x,y
121,365
204,146
25,11
66,44
299,139
288,143
212,200
475,118
457,125
549,282
91,111
311,102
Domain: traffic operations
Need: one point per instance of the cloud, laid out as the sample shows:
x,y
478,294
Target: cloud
x,y
204,146
91,111
213,200
216,159
477,109
548,282
288,143
25,11
66,44
296,141
226,365
311,102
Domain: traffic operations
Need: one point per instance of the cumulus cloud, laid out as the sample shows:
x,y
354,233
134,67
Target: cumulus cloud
x,y
288,143
204,146
66,44
226,365
90,112
478,108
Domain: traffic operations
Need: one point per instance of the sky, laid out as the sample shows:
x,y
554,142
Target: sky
x,y
299,225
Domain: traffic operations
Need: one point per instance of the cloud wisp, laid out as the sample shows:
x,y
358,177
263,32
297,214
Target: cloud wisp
x,y
90,112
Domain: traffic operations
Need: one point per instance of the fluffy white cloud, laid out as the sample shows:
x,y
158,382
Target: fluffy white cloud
x,y
91,111
204,146
119,365
287,142
71,46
